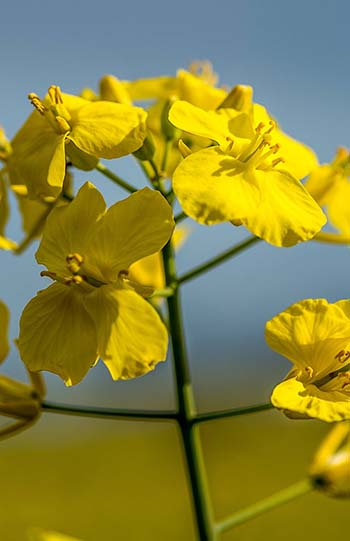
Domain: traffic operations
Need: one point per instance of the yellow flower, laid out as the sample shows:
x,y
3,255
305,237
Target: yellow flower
x,y
37,534
5,149
93,309
241,180
330,468
329,184
64,125
18,400
315,337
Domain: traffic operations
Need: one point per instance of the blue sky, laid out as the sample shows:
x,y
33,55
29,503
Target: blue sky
x,y
295,55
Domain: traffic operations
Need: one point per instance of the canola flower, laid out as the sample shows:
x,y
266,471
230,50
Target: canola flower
x,y
315,336
64,127
93,309
18,400
242,179
329,184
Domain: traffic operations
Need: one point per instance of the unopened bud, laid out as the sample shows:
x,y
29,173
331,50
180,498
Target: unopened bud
x,y
330,469
111,89
146,152
239,98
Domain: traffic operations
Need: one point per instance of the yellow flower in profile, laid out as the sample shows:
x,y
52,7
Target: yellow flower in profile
x,y
19,401
38,534
93,309
315,336
329,185
330,468
242,179
65,126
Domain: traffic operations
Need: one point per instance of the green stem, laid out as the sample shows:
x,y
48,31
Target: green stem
x,y
234,412
179,217
92,411
112,176
279,498
189,433
204,267
35,231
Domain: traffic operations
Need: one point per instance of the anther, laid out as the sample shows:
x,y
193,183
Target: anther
x,y
37,103
342,356
55,94
74,262
260,127
272,126
277,161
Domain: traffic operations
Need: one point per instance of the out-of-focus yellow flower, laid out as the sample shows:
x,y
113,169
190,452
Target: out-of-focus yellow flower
x,y
65,125
241,180
330,468
37,534
329,184
5,149
315,336
93,309
18,400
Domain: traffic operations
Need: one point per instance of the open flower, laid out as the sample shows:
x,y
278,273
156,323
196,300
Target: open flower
x,y
330,468
329,185
93,309
19,401
315,336
242,179
63,126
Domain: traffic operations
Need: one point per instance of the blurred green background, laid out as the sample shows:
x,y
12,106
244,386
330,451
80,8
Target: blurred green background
x,y
117,480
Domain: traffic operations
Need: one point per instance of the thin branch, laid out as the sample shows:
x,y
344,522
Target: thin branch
x,y
115,178
217,260
114,413
234,412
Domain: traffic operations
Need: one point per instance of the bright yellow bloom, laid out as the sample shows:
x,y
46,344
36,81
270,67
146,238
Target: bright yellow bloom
x,y
5,149
18,400
37,534
68,126
315,337
330,468
94,310
242,179
329,184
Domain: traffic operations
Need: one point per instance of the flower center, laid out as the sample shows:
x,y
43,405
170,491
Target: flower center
x,y
257,153
56,113
75,275
337,380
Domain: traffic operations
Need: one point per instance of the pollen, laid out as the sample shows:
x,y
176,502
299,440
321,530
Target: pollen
x,y
74,262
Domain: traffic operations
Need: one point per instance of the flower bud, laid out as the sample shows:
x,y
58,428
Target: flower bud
x,y
239,98
330,469
146,152
111,89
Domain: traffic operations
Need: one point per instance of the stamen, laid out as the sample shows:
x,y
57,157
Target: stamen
x,y
55,95
260,127
277,161
37,103
342,356
74,262
272,124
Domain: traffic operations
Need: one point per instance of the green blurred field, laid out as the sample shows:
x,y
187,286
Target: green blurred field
x,y
116,480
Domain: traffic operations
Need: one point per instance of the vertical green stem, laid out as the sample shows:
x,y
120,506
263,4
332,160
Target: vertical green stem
x,y
189,433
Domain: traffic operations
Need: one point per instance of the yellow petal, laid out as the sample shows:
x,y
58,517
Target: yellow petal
x,y
156,87
287,214
209,124
311,333
69,229
38,158
195,90
4,206
211,188
339,207
320,183
57,334
131,336
37,534
4,324
131,229
291,395
108,130
299,158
